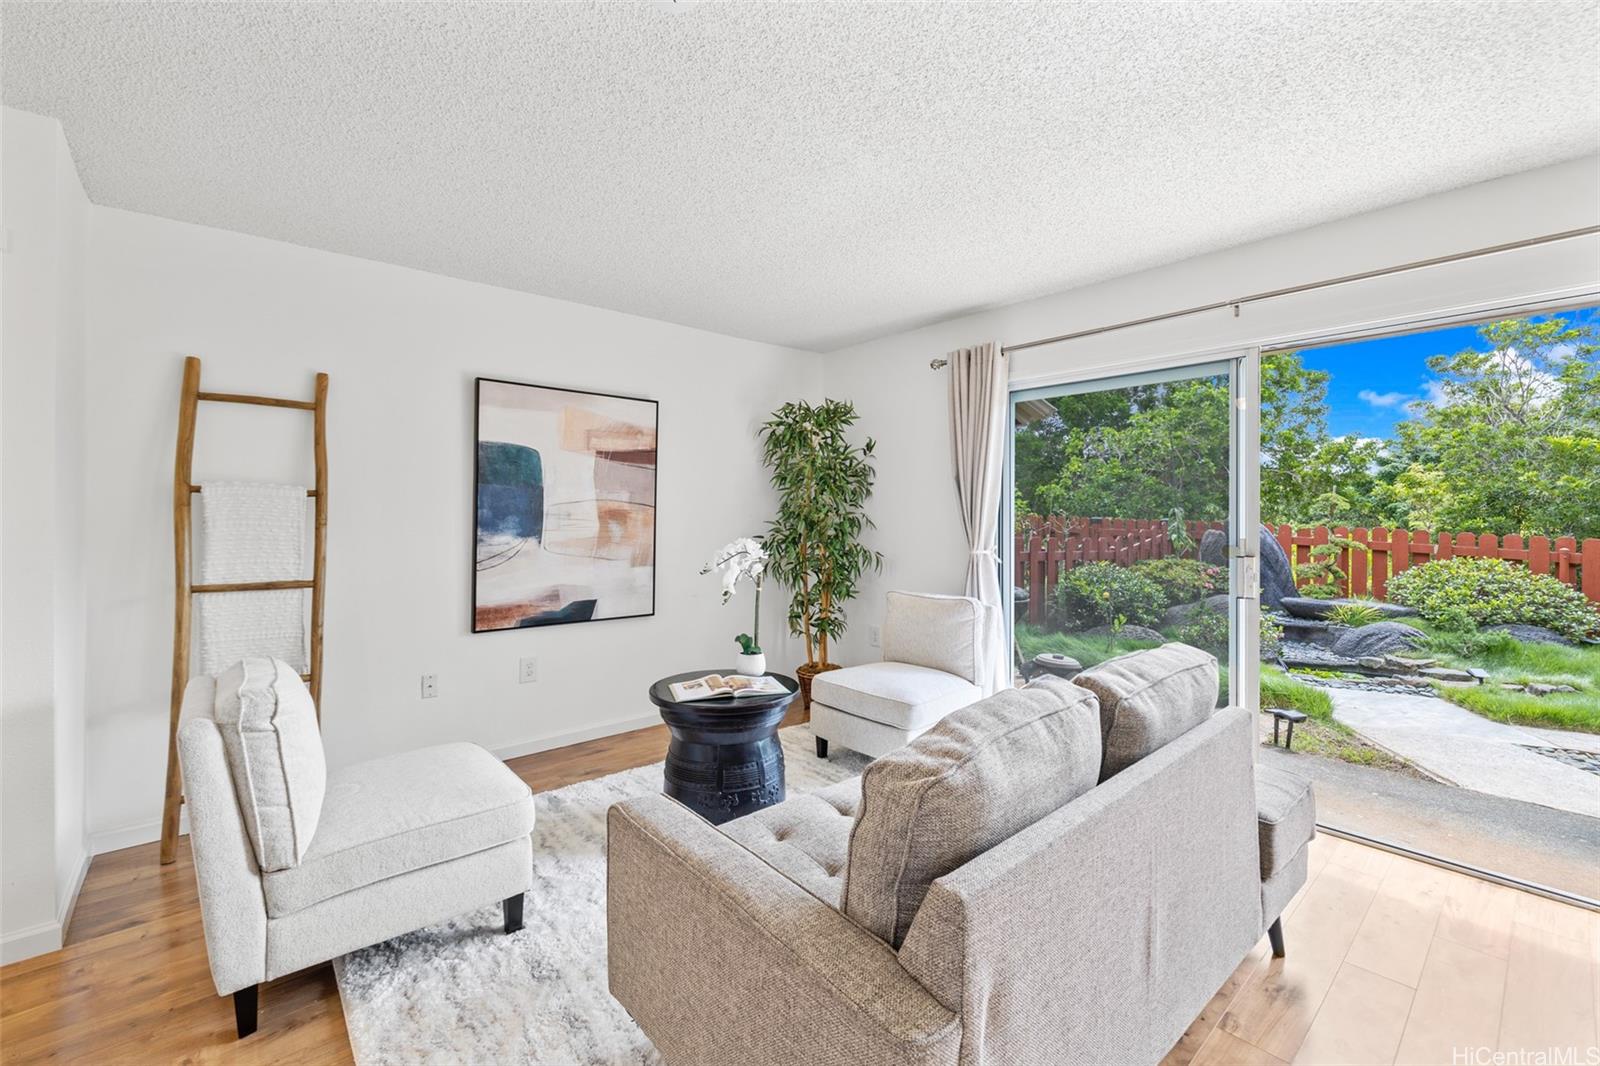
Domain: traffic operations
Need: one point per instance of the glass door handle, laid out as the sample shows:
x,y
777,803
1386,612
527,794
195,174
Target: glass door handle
x,y
1249,571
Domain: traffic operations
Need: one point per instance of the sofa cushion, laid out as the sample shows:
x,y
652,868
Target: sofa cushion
x,y
273,746
1150,698
975,779
902,695
938,632
806,837
1286,816
399,813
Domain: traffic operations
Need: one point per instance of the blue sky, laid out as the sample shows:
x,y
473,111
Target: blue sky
x,y
1373,380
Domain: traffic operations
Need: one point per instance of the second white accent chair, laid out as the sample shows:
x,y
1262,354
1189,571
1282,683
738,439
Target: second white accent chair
x,y
932,666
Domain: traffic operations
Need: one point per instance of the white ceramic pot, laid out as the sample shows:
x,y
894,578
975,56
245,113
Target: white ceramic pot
x,y
752,665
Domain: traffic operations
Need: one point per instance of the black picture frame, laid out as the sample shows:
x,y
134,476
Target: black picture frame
x,y
477,440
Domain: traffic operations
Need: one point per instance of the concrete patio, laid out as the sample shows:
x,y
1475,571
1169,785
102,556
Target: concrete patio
x,y
1472,752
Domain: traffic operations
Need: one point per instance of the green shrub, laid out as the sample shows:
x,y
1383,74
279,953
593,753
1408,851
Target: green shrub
x,y
1271,639
1493,591
1206,629
1455,620
1098,593
1090,651
1183,580
1355,615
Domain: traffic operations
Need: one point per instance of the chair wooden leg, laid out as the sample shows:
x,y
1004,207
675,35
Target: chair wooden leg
x,y
822,748
513,911
244,1010
1275,934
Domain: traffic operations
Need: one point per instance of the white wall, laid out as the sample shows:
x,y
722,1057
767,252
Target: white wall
x,y
42,850
401,348
903,403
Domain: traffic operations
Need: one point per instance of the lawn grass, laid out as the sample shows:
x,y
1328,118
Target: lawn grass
x,y
1513,662
1090,651
1278,689
1320,733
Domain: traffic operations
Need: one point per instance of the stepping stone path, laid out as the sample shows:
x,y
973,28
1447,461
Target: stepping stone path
x,y
1587,761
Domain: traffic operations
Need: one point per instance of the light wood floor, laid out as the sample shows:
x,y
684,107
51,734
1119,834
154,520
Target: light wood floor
x,y
1388,960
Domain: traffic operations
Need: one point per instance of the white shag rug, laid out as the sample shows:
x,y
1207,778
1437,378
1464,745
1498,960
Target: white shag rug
x,y
464,992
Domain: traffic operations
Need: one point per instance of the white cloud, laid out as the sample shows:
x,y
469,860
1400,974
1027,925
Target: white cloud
x,y
1382,399
1542,387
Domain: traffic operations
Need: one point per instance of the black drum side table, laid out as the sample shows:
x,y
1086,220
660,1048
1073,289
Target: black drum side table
x,y
725,759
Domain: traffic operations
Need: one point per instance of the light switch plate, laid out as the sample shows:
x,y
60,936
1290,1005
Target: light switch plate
x,y
430,686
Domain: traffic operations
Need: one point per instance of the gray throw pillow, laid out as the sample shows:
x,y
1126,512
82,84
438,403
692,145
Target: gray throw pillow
x,y
1150,698
273,746
978,777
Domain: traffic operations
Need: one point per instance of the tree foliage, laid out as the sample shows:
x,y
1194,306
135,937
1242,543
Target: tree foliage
x,y
1508,441
1150,450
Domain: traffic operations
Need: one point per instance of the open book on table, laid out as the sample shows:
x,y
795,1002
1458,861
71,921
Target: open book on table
x,y
713,685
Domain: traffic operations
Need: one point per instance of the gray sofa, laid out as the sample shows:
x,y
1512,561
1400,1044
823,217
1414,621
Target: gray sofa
x,y
1063,873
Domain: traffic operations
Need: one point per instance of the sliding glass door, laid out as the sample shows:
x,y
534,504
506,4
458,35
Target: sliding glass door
x,y
1134,518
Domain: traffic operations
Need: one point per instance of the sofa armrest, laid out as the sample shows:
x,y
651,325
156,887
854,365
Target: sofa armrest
x,y
722,959
1099,932
945,633
233,908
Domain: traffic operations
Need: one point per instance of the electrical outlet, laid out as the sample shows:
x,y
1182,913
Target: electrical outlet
x,y
430,686
527,670
874,635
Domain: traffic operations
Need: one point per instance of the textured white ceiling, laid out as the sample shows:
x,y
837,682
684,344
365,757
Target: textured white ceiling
x,y
811,174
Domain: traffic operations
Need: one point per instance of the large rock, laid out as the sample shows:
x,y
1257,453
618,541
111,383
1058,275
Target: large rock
x,y
1379,638
1178,614
1306,607
1277,576
1530,634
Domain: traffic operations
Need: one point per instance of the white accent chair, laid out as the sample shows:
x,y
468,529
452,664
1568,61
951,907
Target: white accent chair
x,y
297,866
932,666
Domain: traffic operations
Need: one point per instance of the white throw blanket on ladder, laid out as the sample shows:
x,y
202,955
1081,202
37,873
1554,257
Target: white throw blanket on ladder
x,y
251,532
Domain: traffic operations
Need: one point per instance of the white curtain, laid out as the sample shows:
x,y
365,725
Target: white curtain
x,y
978,447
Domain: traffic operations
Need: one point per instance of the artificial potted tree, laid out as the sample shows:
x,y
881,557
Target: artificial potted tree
x,y
814,544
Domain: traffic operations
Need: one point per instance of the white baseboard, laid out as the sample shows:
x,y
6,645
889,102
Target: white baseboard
x,y
69,901
129,836
578,736
26,943
46,936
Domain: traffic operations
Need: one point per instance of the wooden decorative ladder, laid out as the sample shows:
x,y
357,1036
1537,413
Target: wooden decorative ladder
x,y
183,492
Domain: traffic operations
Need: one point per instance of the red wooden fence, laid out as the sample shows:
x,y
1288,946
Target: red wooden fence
x,y
1047,548
1381,553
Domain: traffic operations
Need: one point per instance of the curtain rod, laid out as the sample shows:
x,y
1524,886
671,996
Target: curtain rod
x,y
1270,294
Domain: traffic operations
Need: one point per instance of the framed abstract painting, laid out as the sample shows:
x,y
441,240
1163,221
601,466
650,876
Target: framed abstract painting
x,y
565,502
